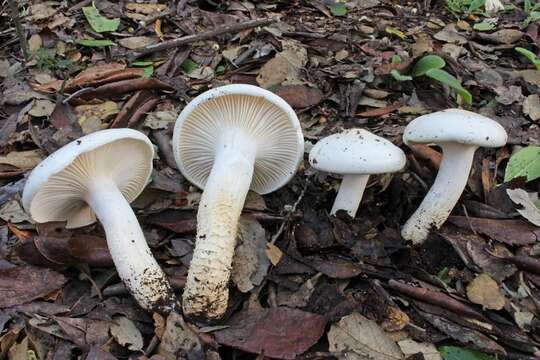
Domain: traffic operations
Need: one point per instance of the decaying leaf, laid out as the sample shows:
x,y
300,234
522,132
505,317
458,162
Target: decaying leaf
x,y
410,347
483,290
250,263
91,117
178,336
25,283
529,210
160,119
356,337
136,42
22,159
285,67
278,332
126,333
12,211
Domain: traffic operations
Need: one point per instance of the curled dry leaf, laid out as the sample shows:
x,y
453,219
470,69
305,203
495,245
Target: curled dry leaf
x,y
358,338
178,336
126,333
483,290
25,160
300,96
410,347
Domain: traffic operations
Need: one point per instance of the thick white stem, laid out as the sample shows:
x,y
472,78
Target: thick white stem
x,y
131,255
350,194
443,195
206,293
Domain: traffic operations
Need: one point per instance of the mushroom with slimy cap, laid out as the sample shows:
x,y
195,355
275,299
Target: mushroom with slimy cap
x,y
357,154
227,141
458,133
99,175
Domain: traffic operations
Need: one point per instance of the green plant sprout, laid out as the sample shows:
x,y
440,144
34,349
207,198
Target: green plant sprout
x,y
530,56
432,67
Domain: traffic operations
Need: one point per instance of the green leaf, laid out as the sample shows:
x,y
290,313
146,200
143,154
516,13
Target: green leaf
x,y
396,59
476,5
427,63
457,353
99,23
484,26
189,65
537,203
451,81
530,56
142,63
524,163
220,69
148,71
338,9
397,75
94,43
533,17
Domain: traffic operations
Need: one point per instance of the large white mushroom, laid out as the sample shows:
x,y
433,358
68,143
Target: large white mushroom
x,y
356,154
459,133
99,175
227,141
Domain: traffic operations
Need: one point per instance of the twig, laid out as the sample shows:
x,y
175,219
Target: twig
x,y
220,30
155,17
18,27
290,211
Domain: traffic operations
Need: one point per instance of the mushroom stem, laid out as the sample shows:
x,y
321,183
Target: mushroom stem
x,y
443,195
350,194
206,292
131,255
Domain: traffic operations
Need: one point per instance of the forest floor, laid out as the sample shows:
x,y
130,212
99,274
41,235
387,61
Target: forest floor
x,y
306,284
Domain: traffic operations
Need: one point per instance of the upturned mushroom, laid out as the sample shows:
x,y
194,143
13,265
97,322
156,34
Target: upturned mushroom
x,y
99,175
227,141
458,133
356,154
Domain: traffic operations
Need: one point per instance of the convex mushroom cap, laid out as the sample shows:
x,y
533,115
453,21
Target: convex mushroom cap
x,y
98,175
459,133
229,140
356,154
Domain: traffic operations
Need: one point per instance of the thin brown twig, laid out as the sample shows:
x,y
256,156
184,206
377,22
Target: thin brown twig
x,y
220,30
14,9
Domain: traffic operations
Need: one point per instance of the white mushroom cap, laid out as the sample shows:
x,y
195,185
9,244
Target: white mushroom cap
x,y
455,125
259,114
56,188
356,151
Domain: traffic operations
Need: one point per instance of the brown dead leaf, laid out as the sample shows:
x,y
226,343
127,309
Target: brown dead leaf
x,y
42,108
512,232
273,253
274,72
177,336
531,107
300,96
504,36
358,337
25,283
91,117
483,290
136,42
23,159
280,332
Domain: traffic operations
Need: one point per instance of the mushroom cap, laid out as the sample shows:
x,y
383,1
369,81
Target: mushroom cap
x,y
356,151
455,125
259,114
57,187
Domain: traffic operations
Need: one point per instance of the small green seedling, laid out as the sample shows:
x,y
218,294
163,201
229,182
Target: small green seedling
x,y
530,56
459,353
432,67
532,10
462,7
525,163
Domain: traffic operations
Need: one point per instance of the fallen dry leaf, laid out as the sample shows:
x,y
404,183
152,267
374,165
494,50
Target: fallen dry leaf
x,y
300,96
136,42
357,337
483,290
529,210
22,159
280,332
531,107
410,347
250,264
25,283
177,336
126,333
91,117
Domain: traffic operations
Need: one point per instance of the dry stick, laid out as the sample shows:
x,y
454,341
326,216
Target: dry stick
x,y
220,30
435,298
18,27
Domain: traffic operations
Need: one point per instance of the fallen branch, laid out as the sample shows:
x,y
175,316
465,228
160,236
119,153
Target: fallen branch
x,y
220,30
435,298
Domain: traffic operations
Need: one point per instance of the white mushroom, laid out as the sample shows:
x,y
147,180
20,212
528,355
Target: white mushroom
x,y
229,140
459,133
357,154
101,174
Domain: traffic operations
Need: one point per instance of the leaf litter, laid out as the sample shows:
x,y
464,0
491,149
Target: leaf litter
x,y
303,284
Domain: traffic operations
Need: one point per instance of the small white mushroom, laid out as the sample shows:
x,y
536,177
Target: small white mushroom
x,y
459,133
357,154
227,141
99,175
